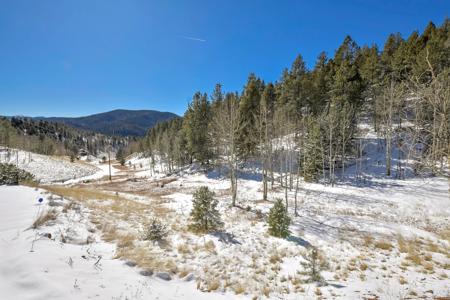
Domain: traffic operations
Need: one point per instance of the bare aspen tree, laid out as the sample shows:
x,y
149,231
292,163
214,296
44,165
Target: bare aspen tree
x,y
225,124
387,103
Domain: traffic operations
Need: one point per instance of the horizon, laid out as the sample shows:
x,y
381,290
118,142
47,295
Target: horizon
x,y
76,59
81,116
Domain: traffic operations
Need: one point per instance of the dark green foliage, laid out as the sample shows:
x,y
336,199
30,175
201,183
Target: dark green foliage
x,y
279,220
319,107
204,215
11,175
248,138
120,156
196,123
311,152
117,122
50,138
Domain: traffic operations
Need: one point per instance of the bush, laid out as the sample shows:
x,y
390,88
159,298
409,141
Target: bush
x,y
204,215
313,265
156,231
11,175
279,220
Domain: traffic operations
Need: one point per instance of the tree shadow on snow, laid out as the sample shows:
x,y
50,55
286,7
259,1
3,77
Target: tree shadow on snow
x,y
299,241
225,237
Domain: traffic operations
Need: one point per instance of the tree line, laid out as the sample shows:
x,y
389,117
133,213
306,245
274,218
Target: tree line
x,y
306,123
51,138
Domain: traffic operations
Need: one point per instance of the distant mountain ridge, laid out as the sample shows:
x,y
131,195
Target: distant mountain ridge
x,y
116,122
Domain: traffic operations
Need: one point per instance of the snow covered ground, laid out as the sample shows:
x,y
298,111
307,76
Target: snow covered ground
x,y
35,265
46,169
378,237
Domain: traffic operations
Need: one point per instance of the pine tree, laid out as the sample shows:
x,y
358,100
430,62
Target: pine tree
x,y
279,220
204,215
248,114
312,152
120,156
195,123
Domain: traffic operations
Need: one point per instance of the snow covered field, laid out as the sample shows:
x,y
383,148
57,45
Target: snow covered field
x,y
34,265
378,237
45,168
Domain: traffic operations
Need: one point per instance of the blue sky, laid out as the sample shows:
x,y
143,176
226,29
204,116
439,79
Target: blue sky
x,y
73,58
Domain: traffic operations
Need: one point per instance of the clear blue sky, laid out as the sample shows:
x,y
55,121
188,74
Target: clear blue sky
x,y
72,58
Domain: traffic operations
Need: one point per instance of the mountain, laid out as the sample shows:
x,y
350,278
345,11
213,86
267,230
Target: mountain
x,y
118,122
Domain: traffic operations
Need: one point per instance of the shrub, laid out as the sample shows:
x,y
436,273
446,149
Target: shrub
x,y
11,175
204,215
313,265
156,231
279,220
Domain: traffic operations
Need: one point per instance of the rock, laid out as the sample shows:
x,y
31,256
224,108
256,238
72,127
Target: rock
x,y
130,263
146,272
164,276
189,277
55,203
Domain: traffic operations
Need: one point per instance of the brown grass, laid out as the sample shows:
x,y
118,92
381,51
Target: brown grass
x,y
210,247
238,288
383,245
44,217
213,285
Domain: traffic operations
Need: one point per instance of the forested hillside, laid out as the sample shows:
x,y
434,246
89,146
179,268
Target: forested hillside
x,y
120,122
55,138
308,122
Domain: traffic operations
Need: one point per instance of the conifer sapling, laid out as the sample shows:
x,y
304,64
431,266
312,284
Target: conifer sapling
x,y
279,220
204,215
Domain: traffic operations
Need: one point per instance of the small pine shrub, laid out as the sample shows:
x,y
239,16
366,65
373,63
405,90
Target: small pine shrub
x,y
204,215
11,175
156,231
279,220
313,265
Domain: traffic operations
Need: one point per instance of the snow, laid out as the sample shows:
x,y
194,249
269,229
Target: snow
x,y
46,169
56,270
347,222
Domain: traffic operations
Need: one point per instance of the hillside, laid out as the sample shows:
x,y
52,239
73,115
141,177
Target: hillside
x,y
117,122
53,138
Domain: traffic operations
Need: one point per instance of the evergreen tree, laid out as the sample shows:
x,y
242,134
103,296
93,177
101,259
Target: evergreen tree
x,y
312,156
248,115
266,130
120,156
196,121
391,45
279,220
204,215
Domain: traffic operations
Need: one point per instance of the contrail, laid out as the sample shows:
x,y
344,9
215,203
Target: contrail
x,y
193,38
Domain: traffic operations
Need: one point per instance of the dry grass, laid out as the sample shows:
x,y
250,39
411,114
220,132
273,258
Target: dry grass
x,y
45,217
213,285
238,288
368,240
148,258
210,247
383,245
363,266
126,240
402,245
184,249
